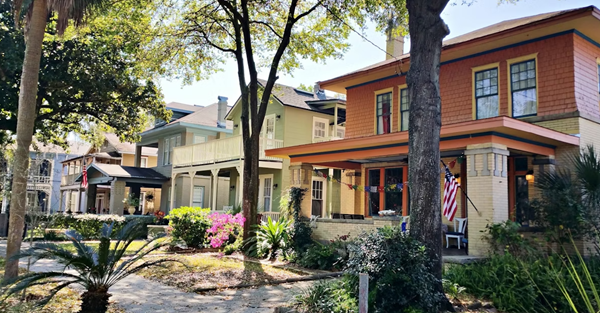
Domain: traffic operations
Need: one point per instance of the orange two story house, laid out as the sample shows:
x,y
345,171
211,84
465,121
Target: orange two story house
x,y
517,98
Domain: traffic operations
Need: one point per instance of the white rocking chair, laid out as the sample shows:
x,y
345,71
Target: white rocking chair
x,y
458,233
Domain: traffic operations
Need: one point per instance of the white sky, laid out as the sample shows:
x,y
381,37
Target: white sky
x,y
461,19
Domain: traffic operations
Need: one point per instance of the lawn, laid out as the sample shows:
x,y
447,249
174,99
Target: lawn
x,y
133,247
65,301
206,270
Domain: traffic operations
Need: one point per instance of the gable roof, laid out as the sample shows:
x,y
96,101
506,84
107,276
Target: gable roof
x,y
75,148
498,28
182,107
116,145
114,170
205,116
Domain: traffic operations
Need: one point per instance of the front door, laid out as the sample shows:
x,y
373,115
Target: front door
x,y
198,197
265,192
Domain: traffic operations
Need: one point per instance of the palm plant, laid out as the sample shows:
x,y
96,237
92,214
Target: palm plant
x,y
96,269
273,237
35,20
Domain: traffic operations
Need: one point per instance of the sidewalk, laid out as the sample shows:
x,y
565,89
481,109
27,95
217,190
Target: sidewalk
x,y
136,295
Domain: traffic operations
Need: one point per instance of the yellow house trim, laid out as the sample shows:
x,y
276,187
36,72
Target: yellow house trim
x,y
509,62
403,86
379,92
479,69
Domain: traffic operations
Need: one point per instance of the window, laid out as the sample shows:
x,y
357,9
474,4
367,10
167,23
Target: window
x,y
170,143
523,88
267,188
144,162
374,197
341,132
383,191
318,186
319,129
198,197
486,93
404,106
384,113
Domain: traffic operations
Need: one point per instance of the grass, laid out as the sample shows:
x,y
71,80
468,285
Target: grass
x,y
65,301
134,246
207,270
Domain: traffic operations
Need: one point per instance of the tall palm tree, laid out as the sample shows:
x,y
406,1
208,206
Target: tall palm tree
x,y
96,269
36,19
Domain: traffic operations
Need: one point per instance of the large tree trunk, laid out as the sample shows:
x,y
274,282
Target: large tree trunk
x,y
94,301
250,188
25,123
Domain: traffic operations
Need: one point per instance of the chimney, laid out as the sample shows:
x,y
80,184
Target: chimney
x,y
320,93
222,111
394,46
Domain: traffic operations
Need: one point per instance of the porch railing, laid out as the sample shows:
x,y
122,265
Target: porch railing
x,y
39,180
66,180
265,216
330,138
221,150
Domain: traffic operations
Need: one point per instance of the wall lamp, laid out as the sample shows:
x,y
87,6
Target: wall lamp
x,y
278,116
232,187
457,178
275,186
235,126
529,176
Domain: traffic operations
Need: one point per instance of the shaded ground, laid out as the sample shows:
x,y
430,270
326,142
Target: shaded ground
x,y
208,270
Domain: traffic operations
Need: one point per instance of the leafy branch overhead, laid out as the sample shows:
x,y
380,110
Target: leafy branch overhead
x,y
90,78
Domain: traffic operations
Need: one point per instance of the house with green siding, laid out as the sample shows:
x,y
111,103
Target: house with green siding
x,y
294,117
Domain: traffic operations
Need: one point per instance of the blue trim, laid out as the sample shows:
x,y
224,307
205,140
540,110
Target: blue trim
x,y
590,40
571,31
491,133
377,80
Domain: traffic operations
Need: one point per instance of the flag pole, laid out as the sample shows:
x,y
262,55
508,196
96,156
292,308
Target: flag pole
x,y
464,192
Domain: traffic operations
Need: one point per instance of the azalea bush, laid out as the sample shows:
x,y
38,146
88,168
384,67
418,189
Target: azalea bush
x,y
189,225
226,230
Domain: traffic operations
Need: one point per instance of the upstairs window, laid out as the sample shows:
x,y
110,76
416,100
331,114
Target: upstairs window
x,y
319,129
486,93
384,113
170,143
523,88
404,106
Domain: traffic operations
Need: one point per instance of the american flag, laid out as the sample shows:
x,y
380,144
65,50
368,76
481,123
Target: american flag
x,y
84,182
450,189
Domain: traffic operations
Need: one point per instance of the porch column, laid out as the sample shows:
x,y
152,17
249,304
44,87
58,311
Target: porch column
x,y
192,175
91,197
138,156
301,177
172,196
215,184
117,195
240,188
60,201
487,186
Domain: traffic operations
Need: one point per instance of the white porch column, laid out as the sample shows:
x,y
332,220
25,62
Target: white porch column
x,y
117,195
335,121
240,188
60,203
192,175
215,184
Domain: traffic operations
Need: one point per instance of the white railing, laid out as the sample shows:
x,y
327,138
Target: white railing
x,y
323,139
66,180
220,150
265,216
38,179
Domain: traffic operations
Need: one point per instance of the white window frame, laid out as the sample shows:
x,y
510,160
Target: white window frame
x,y
323,193
199,139
326,129
144,162
261,191
201,196
170,143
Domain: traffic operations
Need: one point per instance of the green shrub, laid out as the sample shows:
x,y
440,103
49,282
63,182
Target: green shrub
x,y
189,224
89,226
330,296
505,238
399,269
326,256
273,238
301,231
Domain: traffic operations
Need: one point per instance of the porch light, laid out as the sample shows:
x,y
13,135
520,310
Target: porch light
x,y
278,116
457,178
232,187
529,176
275,186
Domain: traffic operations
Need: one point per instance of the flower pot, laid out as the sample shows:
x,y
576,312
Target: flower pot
x,y
131,210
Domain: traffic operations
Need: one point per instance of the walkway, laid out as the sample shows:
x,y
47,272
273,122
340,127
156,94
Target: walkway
x,y
139,295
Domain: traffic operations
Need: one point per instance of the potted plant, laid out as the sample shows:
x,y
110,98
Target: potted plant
x,y
130,203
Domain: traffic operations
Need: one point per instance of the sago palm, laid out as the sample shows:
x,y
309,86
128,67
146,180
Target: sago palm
x,y
96,269
36,18
273,237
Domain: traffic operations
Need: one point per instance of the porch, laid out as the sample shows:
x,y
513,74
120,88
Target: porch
x,y
494,159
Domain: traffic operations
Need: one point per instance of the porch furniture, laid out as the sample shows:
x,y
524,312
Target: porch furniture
x,y
358,217
458,233
347,216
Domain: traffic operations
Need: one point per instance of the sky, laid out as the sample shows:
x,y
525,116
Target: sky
x,y
461,19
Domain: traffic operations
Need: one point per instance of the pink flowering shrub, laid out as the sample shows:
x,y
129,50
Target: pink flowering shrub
x,y
225,227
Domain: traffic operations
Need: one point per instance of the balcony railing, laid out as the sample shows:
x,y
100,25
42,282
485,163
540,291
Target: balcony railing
x,y
330,138
221,150
39,180
68,179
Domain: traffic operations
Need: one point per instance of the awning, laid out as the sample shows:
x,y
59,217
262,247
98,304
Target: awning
x,y
99,173
515,134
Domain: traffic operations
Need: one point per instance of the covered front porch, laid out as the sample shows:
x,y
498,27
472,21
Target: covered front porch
x,y
495,160
110,184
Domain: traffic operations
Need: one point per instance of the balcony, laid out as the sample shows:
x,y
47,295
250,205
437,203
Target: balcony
x,y
323,139
39,180
66,180
221,150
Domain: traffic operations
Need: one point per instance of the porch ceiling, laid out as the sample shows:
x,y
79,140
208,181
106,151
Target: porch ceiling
x,y
515,134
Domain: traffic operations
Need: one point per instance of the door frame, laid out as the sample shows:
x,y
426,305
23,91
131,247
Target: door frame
x,y
203,194
261,191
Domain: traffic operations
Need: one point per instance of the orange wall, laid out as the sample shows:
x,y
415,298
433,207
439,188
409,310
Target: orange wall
x,y
586,76
556,84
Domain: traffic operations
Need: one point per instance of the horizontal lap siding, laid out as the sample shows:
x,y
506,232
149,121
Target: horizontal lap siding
x,y
556,85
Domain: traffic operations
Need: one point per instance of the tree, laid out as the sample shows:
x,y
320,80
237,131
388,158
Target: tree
x,y
427,30
273,35
35,20
99,71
